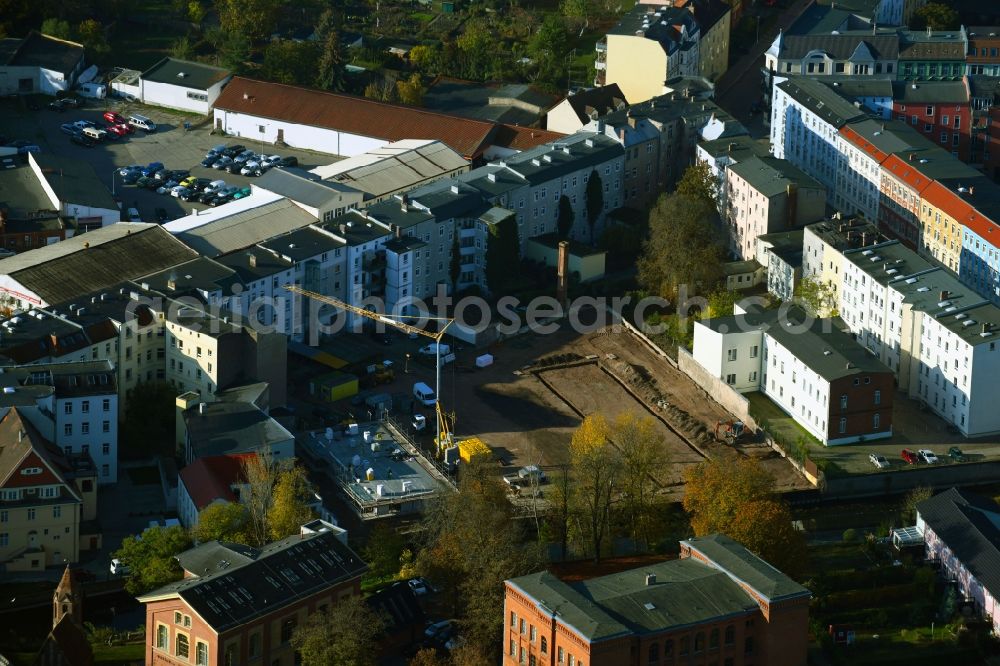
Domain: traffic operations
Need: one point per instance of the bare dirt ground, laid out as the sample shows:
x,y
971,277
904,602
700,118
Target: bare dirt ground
x,y
525,422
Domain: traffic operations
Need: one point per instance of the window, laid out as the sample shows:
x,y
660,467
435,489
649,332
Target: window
x,y
513,619
748,645
876,420
843,401
713,640
654,653
85,406
231,655
731,354
730,636
731,379
162,637
521,626
182,645
287,627
56,512
699,642
4,516
106,426
84,428
878,397
68,429
31,514
560,656
843,426
753,352
106,404
685,646
930,110
68,408
513,647
4,539
201,654
201,97
544,645
533,633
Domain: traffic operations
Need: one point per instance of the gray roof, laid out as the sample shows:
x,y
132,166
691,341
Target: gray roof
x,y
746,567
854,86
38,50
969,525
736,148
890,136
771,176
231,427
306,188
185,73
21,193
878,260
685,592
95,261
841,47
201,274
74,181
641,21
215,556
824,348
602,100
834,232
492,180
302,244
65,379
939,294
938,45
388,169
821,100
357,229
243,229
281,573
556,159
921,92
517,103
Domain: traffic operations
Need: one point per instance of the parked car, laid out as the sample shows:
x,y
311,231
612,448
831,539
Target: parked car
x,y
210,161
57,105
180,174
131,177
418,586
244,156
114,118
166,187
216,150
81,139
222,163
207,196
879,461
68,128
531,472
126,127
190,195
909,456
432,349
161,174
119,568
233,167
133,215
7,163
115,131
956,454
146,182
927,456
260,170
199,184
271,160
152,168
234,149
243,192
249,167
289,161
436,629
83,124
177,191
215,185
137,168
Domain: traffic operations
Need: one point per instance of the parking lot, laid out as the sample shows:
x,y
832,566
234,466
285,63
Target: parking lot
x,y
171,144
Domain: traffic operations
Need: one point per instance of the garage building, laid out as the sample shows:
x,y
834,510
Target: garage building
x,y
182,84
39,64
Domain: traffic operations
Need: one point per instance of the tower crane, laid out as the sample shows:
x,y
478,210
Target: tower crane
x,y
443,434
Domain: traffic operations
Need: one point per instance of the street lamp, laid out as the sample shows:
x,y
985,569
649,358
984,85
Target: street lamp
x,y
114,173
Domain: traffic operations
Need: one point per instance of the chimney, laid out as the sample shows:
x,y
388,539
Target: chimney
x,y
53,341
253,260
650,579
732,145
343,228
850,365
864,238
201,408
972,190
562,272
631,121
944,295
172,285
986,327
399,231
913,156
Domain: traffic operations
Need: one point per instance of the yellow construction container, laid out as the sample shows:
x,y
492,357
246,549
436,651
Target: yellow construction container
x,y
473,449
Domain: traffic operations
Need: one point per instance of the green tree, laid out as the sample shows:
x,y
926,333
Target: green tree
x,y
578,11
426,58
383,551
232,49
149,428
455,267
641,450
733,495
331,68
936,16
150,556
182,48
223,521
412,90
560,496
55,27
290,504
252,19
596,466
816,296
90,33
595,201
291,62
720,304
911,500
566,216
551,40
195,11
503,252
346,635
698,183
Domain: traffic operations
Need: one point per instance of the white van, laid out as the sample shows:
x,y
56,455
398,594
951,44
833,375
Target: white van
x,y
424,394
95,133
142,122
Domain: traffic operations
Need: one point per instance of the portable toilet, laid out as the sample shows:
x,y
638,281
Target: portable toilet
x,y
370,474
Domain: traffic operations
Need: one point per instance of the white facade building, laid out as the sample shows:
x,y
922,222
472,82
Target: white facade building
x,y
184,85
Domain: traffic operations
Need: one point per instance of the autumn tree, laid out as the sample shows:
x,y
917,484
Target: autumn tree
x,y
640,447
346,634
699,184
383,551
91,34
412,90
381,90
290,504
222,521
733,495
56,27
471,545
253,19
426,58
564,220
291,62
595,201
596,467
560,496
429,657
816,296
911,500
685,244
182,48
720,304
151,557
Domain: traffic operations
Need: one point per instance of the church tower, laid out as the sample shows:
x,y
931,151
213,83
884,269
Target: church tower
x,y
68,600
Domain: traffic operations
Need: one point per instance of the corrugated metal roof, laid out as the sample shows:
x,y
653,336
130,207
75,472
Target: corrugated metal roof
x,y
246,228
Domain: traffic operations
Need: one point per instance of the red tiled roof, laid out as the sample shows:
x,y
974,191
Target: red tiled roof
x,y
519,138
906,172
355,115
212,477
864,144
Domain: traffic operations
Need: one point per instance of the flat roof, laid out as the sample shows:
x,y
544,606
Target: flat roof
x,y
887,261
21,193
185,73
52,53
825,349
74,181
243,228
231,427
771,176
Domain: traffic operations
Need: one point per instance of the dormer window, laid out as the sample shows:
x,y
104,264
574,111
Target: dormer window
x,y
31,471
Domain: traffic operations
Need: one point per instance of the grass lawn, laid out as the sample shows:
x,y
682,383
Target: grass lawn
x,y
143,476
119,654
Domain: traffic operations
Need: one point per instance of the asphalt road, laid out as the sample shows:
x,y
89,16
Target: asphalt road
x,y
170,144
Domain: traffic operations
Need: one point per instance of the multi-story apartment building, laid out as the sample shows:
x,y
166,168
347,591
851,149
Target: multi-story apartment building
x,y
983,57
46,496
806,117
665,39
984,144
240,605
73,405
932,55
977,209
823,247
661,613
817,374
765,195
938,109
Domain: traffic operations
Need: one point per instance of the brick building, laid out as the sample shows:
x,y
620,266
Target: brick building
x,y
240,605
718,603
